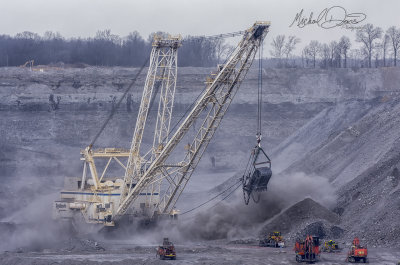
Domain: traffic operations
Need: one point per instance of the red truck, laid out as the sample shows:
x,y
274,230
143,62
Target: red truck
x,y
167,250
357,252
307,250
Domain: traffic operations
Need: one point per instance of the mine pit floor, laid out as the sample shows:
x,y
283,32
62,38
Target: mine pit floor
x,y
200,253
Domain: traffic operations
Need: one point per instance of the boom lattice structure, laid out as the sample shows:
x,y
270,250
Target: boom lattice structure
x,y
162,74
215,100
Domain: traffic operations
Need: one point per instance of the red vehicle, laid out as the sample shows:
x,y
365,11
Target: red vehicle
x,y
167,250
307,250
357,253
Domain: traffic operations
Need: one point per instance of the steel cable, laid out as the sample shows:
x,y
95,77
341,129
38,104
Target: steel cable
x,y
114,109
213,198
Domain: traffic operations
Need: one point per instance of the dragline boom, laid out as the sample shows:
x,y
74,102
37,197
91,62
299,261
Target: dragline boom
x,y
213,104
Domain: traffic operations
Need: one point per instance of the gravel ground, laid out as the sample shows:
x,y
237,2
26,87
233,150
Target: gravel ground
x,y
202,253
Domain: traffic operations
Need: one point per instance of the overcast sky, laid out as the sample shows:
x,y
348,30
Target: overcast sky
x,y
73,18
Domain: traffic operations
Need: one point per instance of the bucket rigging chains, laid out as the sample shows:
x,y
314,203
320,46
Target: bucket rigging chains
x,y
258,169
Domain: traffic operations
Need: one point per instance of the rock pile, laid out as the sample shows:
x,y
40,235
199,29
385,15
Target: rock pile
x,y
305,217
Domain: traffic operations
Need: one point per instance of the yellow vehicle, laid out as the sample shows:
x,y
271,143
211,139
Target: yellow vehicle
x,y
330,246
274,239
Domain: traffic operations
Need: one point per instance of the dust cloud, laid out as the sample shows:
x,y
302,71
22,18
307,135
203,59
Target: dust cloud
x,y
232,219
32,229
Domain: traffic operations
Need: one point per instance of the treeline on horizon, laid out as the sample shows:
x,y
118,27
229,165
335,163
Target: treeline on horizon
x,y
377,48
105,49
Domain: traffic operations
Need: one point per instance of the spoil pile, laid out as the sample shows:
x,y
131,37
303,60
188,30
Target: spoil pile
x,y
361,159
304,217
369,205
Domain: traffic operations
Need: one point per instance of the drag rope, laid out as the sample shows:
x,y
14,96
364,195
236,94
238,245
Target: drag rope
x,y
216,196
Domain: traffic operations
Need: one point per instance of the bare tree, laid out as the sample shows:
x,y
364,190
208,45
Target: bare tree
x,y
312,50
355,55
305,57
290,45
105,35
134,47
377,53
334,50
344,46
222,49
325,55
199,52
49,35
27,35
367,35
134,36
384,47
394,35
103,42
277,47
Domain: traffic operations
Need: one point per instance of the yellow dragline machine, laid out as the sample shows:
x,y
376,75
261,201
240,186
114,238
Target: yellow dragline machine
x,y
154,180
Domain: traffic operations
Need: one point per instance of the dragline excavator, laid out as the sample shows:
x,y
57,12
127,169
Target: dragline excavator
x,y
153,181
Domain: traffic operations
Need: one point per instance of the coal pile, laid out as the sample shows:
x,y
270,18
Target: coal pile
x,y
82,244
322,230
304,217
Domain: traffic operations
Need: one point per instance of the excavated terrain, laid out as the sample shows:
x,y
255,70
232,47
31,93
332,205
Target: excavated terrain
x,y
332,136
361,160
305,217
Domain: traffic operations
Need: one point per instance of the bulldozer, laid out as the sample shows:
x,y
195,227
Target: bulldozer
x,y
357,253
330,246
274,239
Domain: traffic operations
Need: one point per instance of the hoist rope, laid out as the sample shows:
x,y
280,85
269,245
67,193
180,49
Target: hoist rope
x,y
259,92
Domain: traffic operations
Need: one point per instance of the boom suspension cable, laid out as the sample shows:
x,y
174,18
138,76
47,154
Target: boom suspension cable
x,y
114,109
196,38
213,37
201,92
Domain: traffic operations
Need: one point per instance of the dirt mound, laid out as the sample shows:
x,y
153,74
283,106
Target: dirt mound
x,y
296,219
322,230
80,244
369,205
360,157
